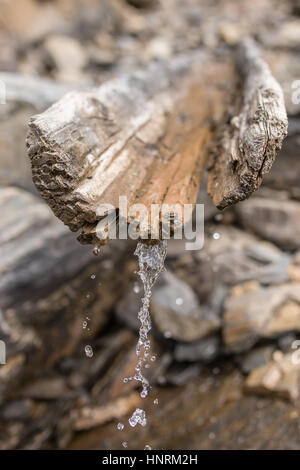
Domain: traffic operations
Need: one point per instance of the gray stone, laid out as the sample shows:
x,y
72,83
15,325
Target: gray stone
x,y
17,410
205,350
176,311
276,221
255,358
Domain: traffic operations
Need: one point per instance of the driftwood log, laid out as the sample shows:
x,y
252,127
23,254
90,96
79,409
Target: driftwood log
x,y
147,136
143,136
249,142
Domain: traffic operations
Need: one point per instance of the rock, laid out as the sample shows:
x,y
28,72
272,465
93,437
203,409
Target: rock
x,y
205,350
142,3
46,288
276,222
17,410
68,56
294,273
285,342
286,168
280,377
231,33
51,388
36,92
287,35
176,311
263,313
208,412
255,358
128,307
25,96
238,256
286,68
241,289
183,375
89,417
158,48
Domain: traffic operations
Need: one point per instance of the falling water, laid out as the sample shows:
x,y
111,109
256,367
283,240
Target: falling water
x,y
151,263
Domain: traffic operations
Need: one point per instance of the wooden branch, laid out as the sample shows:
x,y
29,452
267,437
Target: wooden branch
x,y
143,136
247,146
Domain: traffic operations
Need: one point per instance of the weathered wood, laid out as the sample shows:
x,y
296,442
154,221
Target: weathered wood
x,y
143,136
247,146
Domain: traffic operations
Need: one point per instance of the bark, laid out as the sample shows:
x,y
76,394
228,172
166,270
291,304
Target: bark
x,y
248,145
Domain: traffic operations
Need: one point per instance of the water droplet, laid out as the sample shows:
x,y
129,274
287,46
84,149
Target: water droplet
x,y
84,325
144,393
124,444
136,288
147,447
155,401
179,301
216,236
96,250
153,358
89,351
120,426
218,217
93,276
138,417
167,334
125,380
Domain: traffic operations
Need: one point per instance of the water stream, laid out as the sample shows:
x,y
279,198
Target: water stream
x,y
151,260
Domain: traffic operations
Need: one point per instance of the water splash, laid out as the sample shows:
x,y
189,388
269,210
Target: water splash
x,y
138,417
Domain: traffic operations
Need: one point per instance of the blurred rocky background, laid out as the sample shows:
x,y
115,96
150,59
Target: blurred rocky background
x,y
225,319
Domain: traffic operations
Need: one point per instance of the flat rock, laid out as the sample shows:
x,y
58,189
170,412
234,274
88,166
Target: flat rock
x,y
128,307
279,377
255,358
51,388
262,313
205,350
237,256
177,313
272,220
47,281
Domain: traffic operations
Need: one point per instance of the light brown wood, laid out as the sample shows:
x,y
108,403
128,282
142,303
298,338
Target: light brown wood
x,y
143,136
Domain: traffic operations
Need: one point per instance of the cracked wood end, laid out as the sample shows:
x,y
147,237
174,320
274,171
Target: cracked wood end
x,y
143,136
247,146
